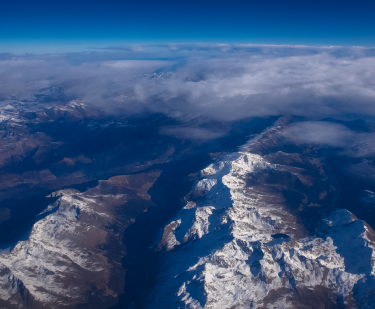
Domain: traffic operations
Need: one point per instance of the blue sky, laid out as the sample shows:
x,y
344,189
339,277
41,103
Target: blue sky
x,y
223,60
52,26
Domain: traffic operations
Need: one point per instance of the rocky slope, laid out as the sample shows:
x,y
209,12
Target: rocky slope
x,y
71,258
261,229
66,250
279,223
50,147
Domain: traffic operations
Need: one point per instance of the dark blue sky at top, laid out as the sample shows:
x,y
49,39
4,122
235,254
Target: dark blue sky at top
x,y
128,22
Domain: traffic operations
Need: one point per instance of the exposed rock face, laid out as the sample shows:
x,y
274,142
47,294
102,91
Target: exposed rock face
x,y
72,256
49,147
272,225
260,230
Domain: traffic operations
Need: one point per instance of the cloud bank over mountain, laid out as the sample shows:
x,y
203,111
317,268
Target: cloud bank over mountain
x,y
222,82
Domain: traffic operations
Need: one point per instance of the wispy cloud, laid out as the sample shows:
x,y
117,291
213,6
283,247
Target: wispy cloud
x,y
349,140
321,133
193,133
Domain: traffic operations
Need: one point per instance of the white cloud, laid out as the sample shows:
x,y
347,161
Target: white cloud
x,y
320,133
226,82
193,133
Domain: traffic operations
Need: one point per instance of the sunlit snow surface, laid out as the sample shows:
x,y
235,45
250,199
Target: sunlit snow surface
x,y
220,252
52,251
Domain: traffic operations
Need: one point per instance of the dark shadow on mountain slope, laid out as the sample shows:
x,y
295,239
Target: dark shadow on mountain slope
x,y
353,248
187,255
184,256
142,262
278,240
25,212
364,292
318,297
254,259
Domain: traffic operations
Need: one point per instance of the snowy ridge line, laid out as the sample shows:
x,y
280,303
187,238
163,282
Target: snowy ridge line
x,y
59,249
221,252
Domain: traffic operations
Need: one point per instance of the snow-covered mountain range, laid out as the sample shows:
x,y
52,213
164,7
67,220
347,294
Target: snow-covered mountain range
x,y
72,255
242,216
240,243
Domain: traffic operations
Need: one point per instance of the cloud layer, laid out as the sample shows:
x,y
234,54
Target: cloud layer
x,y
322,133
222,82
